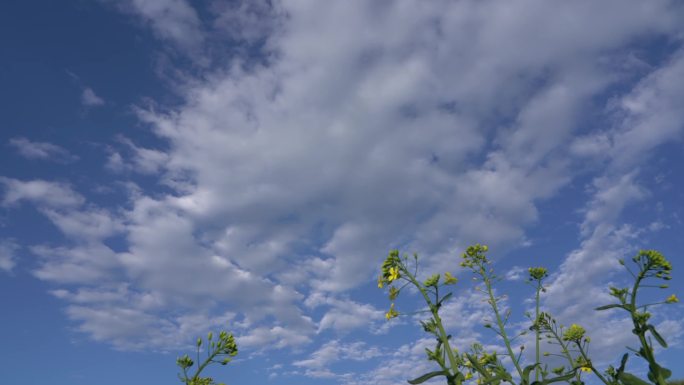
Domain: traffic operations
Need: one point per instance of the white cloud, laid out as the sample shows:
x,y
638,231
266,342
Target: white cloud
x,y
516,273
247,21
648,118
90,224
372,125
172,20
276,337
141,160
8,250
41,150
40,192
405,363
87,264
345,315
127,328
337,350
90,99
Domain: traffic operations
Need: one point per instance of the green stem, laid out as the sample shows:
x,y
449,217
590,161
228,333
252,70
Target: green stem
x,y
591,366
499,322
564,347
649,355
438,321
537,370
204,364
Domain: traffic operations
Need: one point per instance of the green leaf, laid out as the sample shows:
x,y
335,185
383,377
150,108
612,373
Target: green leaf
x,y
623,362
444,299
494,380
606,307
526,372
657,336
564,377
427,376
665,373
630,379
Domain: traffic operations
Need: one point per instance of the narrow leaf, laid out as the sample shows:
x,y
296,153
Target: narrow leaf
x,y
444,298
493,379
657,336
630,379
427,376
622,363
564,377
606,307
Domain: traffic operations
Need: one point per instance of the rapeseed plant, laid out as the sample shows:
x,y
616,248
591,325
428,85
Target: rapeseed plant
x,y
487,368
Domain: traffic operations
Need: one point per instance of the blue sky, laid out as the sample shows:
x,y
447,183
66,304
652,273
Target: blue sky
x,y
172,167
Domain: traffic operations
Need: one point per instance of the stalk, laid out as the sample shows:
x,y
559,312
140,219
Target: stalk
x,y
499,321
649,355
537,370
438,321
591,366
564,347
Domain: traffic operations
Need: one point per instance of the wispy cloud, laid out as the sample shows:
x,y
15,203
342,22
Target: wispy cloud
x,y
41,150
647,119
39,192
8,258
90,99
175,21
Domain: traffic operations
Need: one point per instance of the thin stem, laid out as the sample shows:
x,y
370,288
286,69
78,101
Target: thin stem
x,y
499,322
438,321
564,348
641,333
591,366
204,364
537,369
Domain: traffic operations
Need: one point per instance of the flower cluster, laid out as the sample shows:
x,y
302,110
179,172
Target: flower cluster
x,y
475,256
390,269
574,333
220,351
537,273
652,261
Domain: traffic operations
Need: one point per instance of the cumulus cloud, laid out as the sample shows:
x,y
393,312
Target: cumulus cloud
x,y
397,138
247,21
40,192
335,351
41,150
345,315
372,125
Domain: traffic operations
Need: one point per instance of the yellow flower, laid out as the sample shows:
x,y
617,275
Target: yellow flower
x,y
585,369
672,299
449,279
391,313
574,333
381,282
468,376
393,274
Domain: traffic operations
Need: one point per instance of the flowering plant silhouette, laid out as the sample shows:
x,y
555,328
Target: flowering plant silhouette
x,y
220,351
487,368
